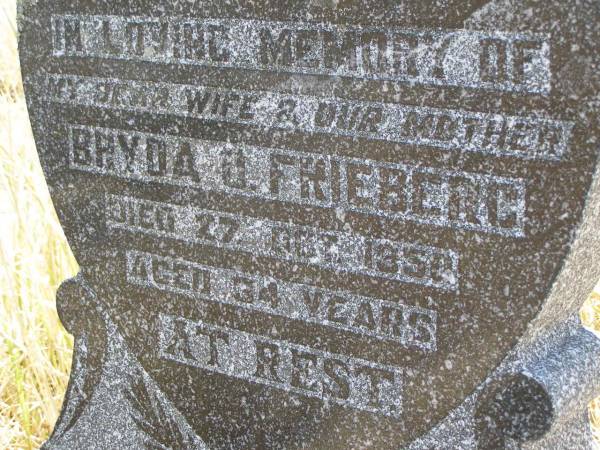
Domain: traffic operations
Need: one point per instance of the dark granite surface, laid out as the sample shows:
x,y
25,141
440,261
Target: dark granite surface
x,y
307,224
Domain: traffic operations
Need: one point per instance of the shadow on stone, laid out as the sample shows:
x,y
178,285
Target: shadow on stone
x,y
515,407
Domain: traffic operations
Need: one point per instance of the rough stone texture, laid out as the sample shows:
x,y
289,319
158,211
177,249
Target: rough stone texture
x,y
322,224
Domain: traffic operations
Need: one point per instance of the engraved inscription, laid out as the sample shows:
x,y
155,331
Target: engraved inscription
x,y
493,134
309,221
449,199
408,325
339,251
344,380
516,62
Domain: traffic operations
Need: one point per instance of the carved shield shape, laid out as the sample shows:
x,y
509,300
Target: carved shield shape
x,y
309,224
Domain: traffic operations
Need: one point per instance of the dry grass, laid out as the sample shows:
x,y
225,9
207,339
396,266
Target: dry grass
x,y
35,351
590,318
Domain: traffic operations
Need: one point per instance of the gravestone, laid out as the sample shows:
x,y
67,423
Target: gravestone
x,y
322,224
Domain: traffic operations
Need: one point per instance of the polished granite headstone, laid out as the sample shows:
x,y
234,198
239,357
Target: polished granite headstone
x,y
321,224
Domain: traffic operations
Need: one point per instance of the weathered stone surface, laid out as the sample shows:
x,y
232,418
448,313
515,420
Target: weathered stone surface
x,y
321,224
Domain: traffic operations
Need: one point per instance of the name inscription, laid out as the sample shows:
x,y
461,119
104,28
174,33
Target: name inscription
x,y
449,199
516,62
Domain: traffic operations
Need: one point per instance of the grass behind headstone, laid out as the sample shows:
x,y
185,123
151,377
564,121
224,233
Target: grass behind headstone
x,y
35,351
